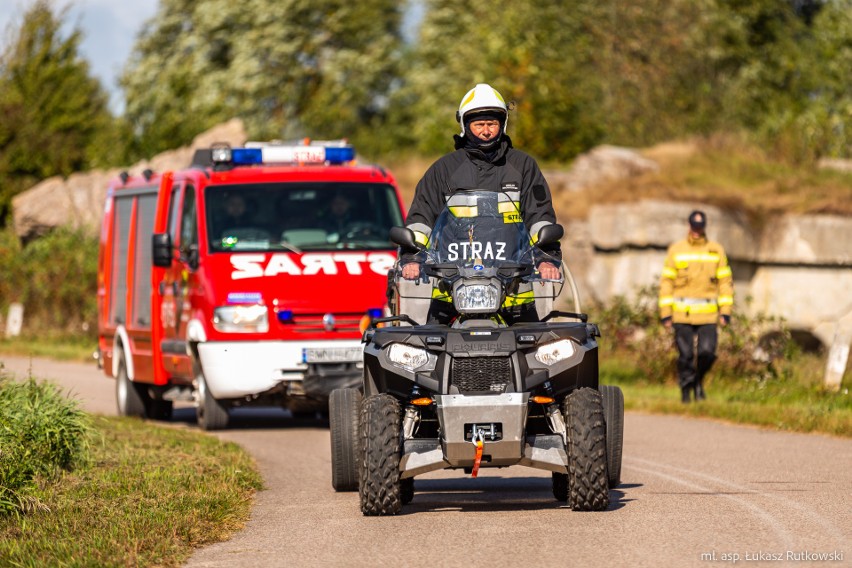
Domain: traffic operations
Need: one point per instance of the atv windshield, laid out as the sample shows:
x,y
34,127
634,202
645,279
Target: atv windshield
x,y
482,229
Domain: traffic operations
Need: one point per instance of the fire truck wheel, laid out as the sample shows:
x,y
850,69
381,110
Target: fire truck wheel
x,y
588,489
613,403
128,395
211,414
343,406
159,409
379,482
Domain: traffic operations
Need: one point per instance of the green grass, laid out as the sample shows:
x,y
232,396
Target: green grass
x,y
795,401
148,496
41,433
65,348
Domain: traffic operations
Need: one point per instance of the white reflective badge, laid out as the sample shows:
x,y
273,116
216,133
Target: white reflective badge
x,y
476,249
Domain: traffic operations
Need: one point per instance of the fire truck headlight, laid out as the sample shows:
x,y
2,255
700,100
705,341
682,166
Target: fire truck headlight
x,y
244,318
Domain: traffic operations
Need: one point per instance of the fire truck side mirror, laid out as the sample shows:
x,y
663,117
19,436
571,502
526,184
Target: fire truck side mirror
x,y
161,250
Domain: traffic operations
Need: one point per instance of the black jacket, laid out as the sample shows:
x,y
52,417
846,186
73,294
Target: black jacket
x,y
508,170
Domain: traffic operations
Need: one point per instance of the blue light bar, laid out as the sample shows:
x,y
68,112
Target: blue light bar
x,y
287,154
285,316
247,156
375,312
340,155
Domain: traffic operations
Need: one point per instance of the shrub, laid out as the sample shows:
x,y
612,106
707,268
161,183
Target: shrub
x,y
755,347
41,432
55,278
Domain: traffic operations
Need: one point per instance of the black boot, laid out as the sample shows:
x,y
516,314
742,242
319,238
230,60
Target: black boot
x,y
684,395
699,392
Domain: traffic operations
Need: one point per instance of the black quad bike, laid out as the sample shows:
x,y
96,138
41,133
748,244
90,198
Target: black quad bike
x,y
502,380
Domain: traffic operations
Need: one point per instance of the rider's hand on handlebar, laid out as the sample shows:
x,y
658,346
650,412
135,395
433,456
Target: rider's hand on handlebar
x,y
548,271
411,271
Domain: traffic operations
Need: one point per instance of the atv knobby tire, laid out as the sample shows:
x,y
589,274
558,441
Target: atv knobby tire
x,y
344,406
613,404
379,482
588,489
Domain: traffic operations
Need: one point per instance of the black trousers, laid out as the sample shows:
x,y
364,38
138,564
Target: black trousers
x,y
693,364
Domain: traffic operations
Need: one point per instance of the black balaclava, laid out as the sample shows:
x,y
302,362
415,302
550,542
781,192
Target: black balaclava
x,y
476,142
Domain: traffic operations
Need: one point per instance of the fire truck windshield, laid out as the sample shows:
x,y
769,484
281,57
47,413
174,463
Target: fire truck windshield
x,y
300,216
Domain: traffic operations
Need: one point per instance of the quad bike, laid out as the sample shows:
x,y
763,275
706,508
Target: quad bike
x,y
505,381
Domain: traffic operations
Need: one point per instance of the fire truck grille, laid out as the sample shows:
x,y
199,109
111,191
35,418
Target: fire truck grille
x,y
313,323
481,374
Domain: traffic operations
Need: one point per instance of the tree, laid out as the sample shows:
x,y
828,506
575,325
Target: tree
x,y
289,68
54,112
792,90
523,50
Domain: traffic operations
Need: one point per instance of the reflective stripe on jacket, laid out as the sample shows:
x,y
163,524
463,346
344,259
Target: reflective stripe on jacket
x,y
696,285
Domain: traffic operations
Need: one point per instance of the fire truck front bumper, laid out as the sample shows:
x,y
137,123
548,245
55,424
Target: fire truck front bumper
x,y
237,369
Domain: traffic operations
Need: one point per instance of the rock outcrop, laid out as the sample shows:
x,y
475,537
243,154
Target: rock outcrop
x,y
78,200
798,267
601,164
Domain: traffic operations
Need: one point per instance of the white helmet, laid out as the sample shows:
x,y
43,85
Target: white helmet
x,y
481,98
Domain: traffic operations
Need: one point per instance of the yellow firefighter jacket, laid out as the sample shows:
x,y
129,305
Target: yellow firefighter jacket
x,y
696,286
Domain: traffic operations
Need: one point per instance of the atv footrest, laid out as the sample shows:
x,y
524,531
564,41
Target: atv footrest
x,y
421,455
545,451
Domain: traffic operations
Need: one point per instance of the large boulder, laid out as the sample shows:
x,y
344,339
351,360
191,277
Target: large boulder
x,y
601,164
78,200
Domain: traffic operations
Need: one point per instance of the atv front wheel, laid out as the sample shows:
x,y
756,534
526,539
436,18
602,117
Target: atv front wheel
x,y
343,408
613,405
587,477
379,483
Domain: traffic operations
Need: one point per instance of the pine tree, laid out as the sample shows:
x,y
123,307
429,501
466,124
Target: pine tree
x,y
53,110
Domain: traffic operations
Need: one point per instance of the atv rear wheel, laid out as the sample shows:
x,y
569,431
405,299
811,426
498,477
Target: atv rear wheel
x,y
343,408
560,486
379,482
613,405
587,477
406,490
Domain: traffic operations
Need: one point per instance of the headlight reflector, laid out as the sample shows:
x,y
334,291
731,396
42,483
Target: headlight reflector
x,y
241,318
406,356
554,352
473,298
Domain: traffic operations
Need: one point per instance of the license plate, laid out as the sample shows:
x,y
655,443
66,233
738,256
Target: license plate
x,y
332,354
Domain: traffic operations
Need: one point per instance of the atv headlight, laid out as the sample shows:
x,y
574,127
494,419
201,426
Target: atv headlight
x,y
555,352
473,298
242,318
406,356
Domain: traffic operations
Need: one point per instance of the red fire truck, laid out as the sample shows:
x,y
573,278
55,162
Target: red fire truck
x,y
245,279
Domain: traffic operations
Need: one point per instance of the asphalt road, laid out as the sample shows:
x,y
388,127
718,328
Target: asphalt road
x,y
694,493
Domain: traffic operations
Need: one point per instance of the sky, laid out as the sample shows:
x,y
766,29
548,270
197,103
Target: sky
x,y
109,31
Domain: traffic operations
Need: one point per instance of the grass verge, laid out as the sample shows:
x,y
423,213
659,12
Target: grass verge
x,y
67,348
148,496
793,403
